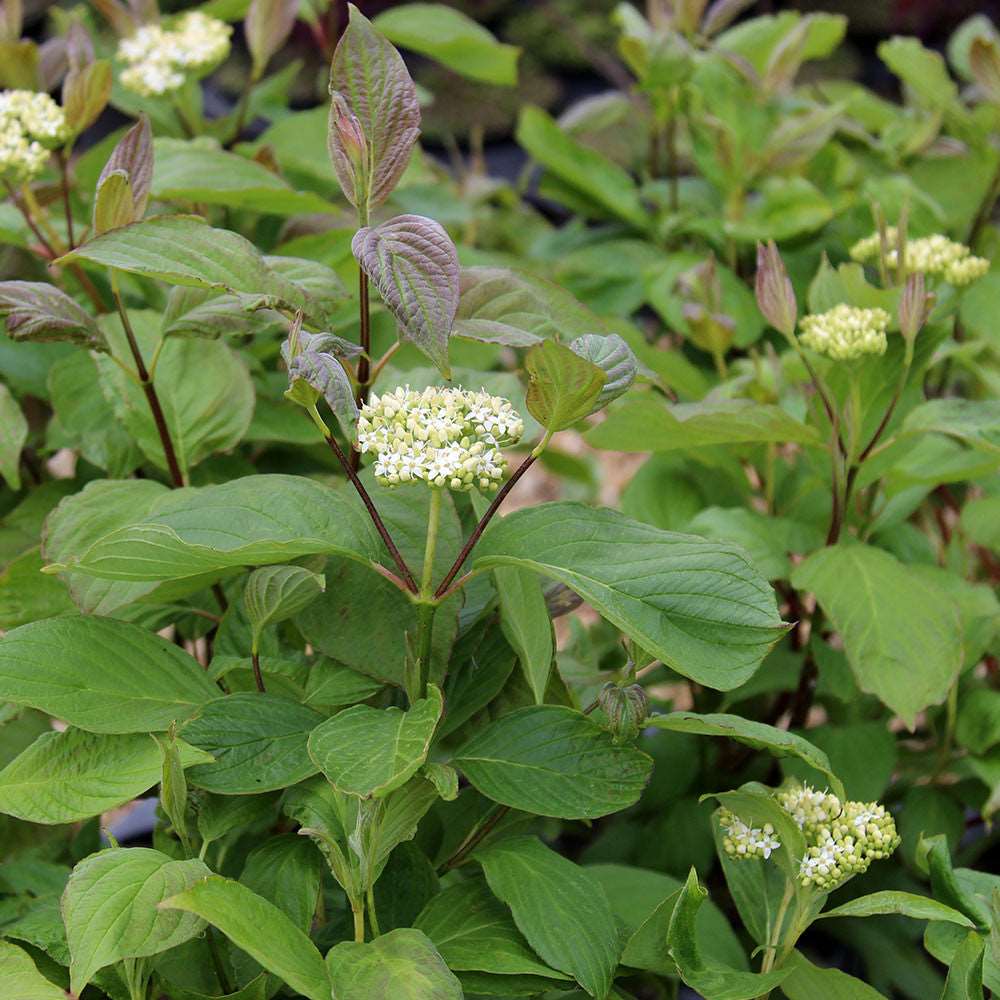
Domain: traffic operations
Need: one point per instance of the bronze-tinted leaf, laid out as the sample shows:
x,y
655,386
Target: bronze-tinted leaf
x,y
36,310
134,155
85,94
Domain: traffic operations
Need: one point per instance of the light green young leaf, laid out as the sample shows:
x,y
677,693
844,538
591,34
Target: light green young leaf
x,y
102,675
526,625
646,424
907,904
325,375
614,357
563,386
402,964
19,975
250,521
922,70
553,761
134,156
110,908
711,982
258,742
13,435
452,38
370,752
371,77
758,735
413,263
901,632
699,606
73,775
276,593
598,179
473,931
561,910
260,929
114,203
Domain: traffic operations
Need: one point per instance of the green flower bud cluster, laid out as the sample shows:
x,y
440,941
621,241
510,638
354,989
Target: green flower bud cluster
x,y
935,255
31,124
445,437
626,709
742,841
842,839
845,332
160,60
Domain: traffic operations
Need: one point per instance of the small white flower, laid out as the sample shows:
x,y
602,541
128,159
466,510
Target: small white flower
x,y
929,255
31,124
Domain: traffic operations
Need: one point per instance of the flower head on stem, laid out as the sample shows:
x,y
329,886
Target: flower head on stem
x,y
31,125
845,332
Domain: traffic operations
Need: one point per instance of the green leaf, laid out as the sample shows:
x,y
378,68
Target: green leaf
x,y
472,931
585,171
711,982
27,594
980,520
561,910
965,975
38,311
922,70
758,735
978,725
325,375
110,908
249,521
563,387
258,742
13,435
133,155
204,388
699,606
192,172
85,92
267,25
905,903
452,38
973,422
22,978
184,250
413,263
402,964
808,981
332,685
553,761
276,593
260,929
901,632
614,357
526,625
647,424
287,870
114,204
72,775
370,75
102,675
370,752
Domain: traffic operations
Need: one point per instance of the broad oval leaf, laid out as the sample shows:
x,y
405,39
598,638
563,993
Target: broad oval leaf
x,y
260,929
699,606
72,775
473,931
561,909
402,964
563,386
275,593
372,78
414,265
102,675
249,521
36,310
901,632
614,357
258,742
758,735
554,761
907,904
110,908
20,975
367,751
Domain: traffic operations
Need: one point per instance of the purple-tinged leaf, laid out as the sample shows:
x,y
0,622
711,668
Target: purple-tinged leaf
x,y
267,27
85,94
414,265
614,357
36,310
326,375
371,77
134,155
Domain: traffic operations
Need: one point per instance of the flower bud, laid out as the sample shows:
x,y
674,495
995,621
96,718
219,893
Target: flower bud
x,y
348,149
626,709
914,307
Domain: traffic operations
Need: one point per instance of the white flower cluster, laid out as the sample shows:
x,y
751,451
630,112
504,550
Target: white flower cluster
x,y
30,125
935,254
744,841
842,839
445,437
845,332
161,59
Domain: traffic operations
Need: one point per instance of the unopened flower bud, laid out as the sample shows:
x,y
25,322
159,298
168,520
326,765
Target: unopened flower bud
x,y
626,709
775,295
845,332
914,307
741,841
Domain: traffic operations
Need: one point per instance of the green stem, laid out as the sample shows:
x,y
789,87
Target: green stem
x,y
951,715
372,918
358,908
433,523
425,632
